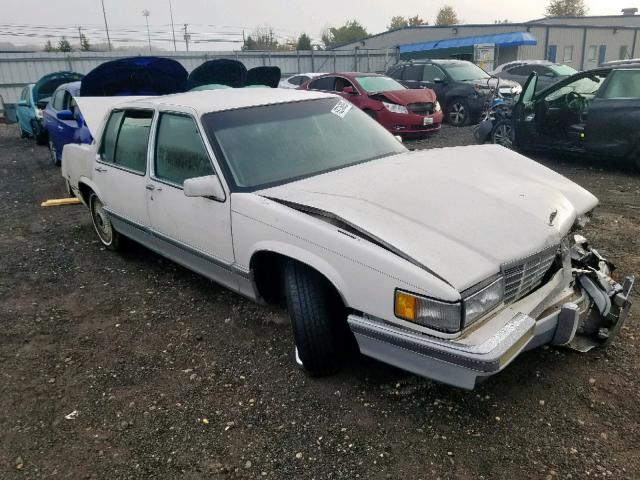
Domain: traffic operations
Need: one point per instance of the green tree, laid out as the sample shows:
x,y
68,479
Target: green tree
x,y
416,21
48,47
398,22
447,16
64,45
85,46
304,42
567,8
349,32
262,38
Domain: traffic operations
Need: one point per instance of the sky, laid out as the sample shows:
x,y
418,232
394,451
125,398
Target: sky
x,y
219,24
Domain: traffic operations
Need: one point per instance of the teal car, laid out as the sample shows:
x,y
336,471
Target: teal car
x,y
33,100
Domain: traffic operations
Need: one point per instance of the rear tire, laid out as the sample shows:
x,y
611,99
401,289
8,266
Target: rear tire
x,y
502,134
39,133
320,329
102,223
23,134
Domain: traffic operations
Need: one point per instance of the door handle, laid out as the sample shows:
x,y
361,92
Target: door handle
x,y
152,187
100,169
60,127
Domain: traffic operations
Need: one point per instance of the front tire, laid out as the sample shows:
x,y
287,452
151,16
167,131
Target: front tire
x,y
39,133
52,154
102,223
458,113
318,318
503,134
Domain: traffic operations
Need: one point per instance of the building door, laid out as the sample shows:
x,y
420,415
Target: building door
x,y
552,53
602,54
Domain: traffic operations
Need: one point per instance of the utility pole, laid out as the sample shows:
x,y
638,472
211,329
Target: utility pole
x,y
172,29
145,14
80,36
106,27
187,36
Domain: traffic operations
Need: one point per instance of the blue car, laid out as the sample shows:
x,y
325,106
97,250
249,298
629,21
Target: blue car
x,y
133,76
63,120
33,100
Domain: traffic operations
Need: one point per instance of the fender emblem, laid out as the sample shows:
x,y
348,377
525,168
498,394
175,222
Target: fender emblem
x,y
552,217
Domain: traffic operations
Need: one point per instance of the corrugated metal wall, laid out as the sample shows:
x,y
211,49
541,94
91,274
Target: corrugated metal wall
x,y
20,69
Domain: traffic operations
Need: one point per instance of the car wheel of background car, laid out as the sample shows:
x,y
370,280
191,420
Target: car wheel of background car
x,y
39,133
318,317
52,153
503,134
23,134
101,222
458,113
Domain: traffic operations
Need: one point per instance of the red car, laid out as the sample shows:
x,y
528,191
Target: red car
x,y
400,110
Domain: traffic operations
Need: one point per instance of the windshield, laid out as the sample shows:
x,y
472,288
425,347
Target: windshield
x,y
462,72
379,84
275,144
562,70
586,86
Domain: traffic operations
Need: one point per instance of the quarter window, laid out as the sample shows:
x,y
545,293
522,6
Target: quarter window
x,y
180,153
432,73
125,139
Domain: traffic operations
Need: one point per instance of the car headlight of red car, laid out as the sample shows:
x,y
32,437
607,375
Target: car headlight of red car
x,y
395,108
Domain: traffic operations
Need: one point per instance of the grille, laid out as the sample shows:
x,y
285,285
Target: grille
x,y
421,108
523,276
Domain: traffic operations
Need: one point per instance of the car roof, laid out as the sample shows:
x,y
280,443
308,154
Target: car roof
x,y
206,101
72,87
439,61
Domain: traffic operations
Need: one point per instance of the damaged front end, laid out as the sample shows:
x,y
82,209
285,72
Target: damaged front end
x,y
604,314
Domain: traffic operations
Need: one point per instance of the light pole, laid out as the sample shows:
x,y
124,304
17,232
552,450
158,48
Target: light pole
x,y
145,14
106,27
172,29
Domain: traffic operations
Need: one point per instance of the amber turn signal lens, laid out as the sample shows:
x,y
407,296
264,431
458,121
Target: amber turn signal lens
x,y
405,306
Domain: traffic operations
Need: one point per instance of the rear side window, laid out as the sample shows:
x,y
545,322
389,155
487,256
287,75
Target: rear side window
x,y
125,139
180,153
524,70
433,73
25,94
298,80
413,72
324,83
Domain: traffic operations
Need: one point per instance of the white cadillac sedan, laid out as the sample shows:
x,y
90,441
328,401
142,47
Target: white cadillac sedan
x,y
447,263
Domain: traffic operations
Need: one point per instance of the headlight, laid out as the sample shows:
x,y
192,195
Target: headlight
x,y
428,312
483,301
437,107
38,114
517,90
395,108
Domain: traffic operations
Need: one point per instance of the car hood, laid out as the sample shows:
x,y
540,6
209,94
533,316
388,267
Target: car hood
x,y
491,82
45,87
460,212
408,96
221,71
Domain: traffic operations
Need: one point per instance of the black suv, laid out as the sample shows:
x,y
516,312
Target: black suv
x,y
461,87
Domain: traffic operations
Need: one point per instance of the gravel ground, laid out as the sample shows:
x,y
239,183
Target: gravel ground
x,y
128,366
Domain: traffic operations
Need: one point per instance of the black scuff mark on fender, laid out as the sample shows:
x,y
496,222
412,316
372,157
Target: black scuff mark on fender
x,y
350,230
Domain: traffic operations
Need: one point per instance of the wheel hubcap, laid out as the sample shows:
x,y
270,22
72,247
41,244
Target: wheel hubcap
x,y
102,223
503,136
457,113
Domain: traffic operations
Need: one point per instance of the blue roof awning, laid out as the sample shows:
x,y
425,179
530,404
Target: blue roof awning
x,y
512,39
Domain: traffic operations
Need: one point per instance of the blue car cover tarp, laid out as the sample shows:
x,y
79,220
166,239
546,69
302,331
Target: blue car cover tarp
x,y
135,76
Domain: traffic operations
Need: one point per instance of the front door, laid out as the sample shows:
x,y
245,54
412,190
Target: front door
x,y
524,114
23,112
121,170
195,231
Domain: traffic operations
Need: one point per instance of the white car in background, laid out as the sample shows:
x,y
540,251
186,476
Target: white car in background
x,y
447,263
296,80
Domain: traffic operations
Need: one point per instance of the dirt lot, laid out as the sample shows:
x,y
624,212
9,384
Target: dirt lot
x,y
172,376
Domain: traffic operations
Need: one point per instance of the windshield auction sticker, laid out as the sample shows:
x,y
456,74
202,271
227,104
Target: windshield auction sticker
x,y
341,108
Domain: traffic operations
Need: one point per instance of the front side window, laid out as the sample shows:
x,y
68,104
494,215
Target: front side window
x,y
125,139
379,84
586,86
298,80
275,144
180,153
623,84
58,99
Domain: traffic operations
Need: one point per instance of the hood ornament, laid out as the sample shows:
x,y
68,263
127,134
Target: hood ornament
x,y
552,217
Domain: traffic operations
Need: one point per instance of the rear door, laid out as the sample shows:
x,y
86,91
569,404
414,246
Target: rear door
x,y
121,170
191,228
54,125
612,125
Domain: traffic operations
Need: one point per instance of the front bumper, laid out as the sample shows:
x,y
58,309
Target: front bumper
x,y
580,316
401,123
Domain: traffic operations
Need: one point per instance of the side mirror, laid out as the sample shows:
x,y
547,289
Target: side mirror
x,y
438,80
65,115
349,91
22,103
208,186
